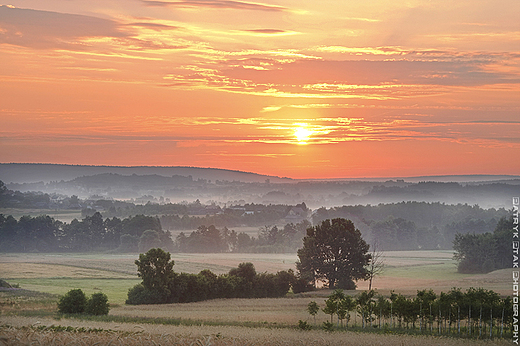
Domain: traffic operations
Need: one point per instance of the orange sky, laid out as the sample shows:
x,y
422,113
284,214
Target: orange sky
x,y
303,89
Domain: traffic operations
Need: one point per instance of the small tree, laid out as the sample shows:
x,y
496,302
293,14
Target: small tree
x,y
377,263
73,302
313,309
346,304
97,304
331,306
365,303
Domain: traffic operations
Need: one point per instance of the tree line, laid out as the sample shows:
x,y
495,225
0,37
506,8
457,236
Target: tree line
x,y
415,225
137,234
160,284
475,253
271,239
475,313
45,234
483,253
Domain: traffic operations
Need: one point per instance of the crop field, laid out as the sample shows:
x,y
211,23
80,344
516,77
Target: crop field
x,y
214,322
43,331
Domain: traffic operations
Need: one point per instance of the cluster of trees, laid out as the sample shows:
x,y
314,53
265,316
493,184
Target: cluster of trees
x,y
415,225
251,215
483,253
76,302
271,239
162,285
45,234
17,199
476,312
186,216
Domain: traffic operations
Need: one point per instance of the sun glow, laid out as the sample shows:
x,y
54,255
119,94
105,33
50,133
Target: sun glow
x,y
302,133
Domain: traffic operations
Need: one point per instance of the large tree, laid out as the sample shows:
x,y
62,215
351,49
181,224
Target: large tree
x,y
156,270
335,252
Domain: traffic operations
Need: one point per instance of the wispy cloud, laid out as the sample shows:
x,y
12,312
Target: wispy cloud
x,y
153,26
216,4
267,32
44,29
378,80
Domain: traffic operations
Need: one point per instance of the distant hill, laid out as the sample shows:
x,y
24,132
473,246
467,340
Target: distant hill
x,y
34,172
463,179
43,172
178,184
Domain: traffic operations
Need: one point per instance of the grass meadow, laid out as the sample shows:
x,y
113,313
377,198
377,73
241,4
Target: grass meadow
x,y
269,321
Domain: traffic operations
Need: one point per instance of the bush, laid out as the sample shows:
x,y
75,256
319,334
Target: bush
x,y
328,326
301,285
304,325
73,302
97,304
140,295
4,284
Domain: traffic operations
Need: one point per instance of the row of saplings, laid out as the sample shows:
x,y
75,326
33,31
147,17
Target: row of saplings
x,y
162,285
475,313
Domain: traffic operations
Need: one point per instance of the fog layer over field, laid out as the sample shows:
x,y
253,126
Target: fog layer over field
x,y
178,184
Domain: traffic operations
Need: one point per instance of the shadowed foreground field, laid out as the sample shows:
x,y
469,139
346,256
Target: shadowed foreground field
x,y
143,334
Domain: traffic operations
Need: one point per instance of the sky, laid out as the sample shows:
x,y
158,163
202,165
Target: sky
x,y
300,89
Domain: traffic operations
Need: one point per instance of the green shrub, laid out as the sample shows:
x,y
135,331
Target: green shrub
x,y
328,326
304,325
97,304
4,284
73,302
140,295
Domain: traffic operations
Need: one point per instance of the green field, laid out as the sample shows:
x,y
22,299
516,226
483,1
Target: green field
x,y
114,274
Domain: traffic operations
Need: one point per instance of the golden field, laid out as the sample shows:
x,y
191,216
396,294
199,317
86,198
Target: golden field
x,y
145,334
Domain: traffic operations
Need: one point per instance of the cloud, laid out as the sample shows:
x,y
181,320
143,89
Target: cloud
x,y
267,31
366,79
44,29
370,72
217,4
153,26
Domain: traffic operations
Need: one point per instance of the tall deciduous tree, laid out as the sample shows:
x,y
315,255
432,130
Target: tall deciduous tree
x,y
156,270
335,252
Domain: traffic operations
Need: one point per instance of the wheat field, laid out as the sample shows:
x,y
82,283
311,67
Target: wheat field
x,y
31,330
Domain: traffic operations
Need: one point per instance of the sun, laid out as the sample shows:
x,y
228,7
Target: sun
x,y
302,133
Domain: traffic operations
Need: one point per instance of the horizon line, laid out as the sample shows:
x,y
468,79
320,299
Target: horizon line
x,y
476,175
